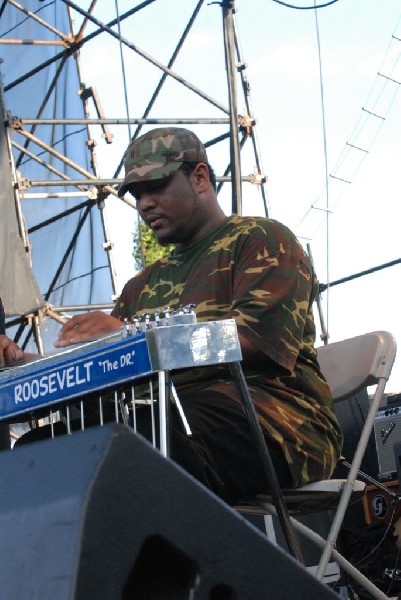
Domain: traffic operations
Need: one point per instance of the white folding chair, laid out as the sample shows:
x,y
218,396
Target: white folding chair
x,y
349,366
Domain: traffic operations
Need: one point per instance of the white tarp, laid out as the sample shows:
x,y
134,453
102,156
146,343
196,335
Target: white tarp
x,y
18,288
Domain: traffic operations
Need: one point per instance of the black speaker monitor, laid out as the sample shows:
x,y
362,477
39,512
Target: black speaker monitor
x,y
101,515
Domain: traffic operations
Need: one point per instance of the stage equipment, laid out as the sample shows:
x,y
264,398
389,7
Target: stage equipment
x,y
381,504
131,356
387,430
154,345
101,514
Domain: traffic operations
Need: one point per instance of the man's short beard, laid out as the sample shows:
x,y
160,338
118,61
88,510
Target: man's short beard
x,y
176,237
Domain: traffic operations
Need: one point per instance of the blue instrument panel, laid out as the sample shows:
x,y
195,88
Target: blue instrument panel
x,y
72,373
119,358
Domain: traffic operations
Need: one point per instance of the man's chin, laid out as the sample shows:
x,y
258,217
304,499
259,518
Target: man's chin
x,y
163,239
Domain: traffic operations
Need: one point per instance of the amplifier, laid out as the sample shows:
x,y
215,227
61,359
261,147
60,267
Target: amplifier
x,y
382,505
387,430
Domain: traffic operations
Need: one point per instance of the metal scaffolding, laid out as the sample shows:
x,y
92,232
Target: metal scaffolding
x,y
52,120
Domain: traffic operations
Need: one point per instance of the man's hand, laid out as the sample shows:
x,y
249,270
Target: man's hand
x,y
10,352
86,327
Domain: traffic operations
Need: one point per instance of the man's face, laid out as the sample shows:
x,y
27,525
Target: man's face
x,y
171,207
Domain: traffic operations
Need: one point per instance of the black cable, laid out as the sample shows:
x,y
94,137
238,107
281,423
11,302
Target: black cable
x,y
305,7
372,553
394,577
77,277
324,286
395,500
54,145
35,12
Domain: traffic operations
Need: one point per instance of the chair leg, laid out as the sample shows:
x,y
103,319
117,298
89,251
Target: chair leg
x,y
343,592
269,528
343,563
344,587
353,472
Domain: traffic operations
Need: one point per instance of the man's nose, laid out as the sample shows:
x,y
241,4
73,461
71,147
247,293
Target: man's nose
x,y
146,201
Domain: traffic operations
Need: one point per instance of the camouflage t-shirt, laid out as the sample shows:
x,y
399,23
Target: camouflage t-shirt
x,y
254,270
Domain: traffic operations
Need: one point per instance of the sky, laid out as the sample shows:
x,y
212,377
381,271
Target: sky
x,y
325,95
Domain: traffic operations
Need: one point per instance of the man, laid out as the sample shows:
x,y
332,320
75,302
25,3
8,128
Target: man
x,y
248,268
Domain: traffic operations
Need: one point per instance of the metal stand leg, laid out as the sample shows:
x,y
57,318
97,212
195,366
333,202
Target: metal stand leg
x,y
274,485
177,402
163,414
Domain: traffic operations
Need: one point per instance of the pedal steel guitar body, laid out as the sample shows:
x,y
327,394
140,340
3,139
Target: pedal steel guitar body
x,y
127,356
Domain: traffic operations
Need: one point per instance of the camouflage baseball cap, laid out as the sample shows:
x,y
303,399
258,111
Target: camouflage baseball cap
x,y
160,153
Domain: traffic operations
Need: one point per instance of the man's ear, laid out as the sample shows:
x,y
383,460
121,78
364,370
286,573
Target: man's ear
x,y
201,177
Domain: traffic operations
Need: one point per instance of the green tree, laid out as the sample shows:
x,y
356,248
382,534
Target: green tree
x,y
146,247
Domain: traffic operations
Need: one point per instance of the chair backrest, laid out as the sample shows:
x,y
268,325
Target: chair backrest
x,y
355,363
349,366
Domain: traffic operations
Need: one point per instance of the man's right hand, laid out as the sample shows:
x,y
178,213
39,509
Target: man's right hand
x,y
86,327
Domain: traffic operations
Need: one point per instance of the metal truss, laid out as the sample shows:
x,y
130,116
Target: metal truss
x,y
62,176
